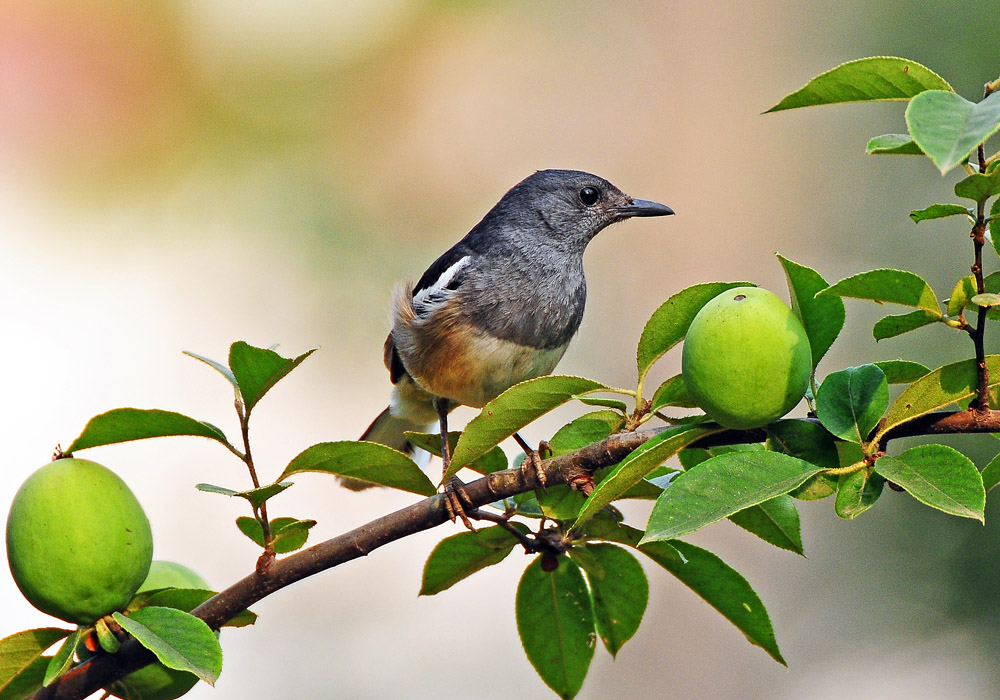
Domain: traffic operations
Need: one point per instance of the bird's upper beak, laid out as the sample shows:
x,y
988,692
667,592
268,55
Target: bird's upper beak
x,y
643,207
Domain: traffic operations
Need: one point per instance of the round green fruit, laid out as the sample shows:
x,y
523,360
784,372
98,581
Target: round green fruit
x,y
168,574
156,681
78,542
746,359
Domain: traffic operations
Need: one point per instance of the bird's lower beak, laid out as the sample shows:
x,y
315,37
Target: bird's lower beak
x,y
643,207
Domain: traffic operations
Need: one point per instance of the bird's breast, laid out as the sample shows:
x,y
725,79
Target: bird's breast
x,y
531,304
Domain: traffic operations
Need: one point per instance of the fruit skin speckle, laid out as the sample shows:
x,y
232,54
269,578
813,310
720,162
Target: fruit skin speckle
x,y
79,544
746,358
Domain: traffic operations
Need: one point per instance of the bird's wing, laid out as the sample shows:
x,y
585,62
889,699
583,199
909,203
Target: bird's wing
x,y
435,286
441,279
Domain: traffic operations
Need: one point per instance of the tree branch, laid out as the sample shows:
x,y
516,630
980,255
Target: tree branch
x,y
103,669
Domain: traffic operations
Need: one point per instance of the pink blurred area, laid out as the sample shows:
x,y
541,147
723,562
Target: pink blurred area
x,y
180,175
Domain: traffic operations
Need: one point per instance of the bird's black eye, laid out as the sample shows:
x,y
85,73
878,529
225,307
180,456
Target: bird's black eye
x,y
589,196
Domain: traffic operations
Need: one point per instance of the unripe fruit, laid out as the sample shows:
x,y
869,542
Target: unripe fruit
x,y
746,359
156,681
78,542
168,574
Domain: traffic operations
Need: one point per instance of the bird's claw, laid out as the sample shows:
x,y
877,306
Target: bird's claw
x,y
532,467
455,494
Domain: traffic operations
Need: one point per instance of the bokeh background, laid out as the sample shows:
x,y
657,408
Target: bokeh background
x,y
180,175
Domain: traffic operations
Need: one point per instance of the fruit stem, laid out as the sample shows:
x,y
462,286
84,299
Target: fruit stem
x,y
849,469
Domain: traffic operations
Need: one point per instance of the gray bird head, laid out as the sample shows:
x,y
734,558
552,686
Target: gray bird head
x,y
566,207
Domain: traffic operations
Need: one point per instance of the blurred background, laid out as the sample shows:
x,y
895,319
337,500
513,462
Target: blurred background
x,y
180,175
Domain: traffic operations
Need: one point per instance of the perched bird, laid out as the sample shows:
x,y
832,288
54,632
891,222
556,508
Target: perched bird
x,y
500,306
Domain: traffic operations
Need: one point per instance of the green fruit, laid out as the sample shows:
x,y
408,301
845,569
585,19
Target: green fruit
x,y
168,574
746,359
78,542
156,681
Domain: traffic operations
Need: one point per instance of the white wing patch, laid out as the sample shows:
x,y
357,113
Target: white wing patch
x,y
438,292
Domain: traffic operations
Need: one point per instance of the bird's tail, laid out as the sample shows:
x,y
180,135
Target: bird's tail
x,y
411,408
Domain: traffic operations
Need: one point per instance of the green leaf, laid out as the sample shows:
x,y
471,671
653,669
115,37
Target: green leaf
x,y
493,461
964,290
615,404
721,486
180,640
126,424
673,392
865,80
902,371
555,621
668,324
893,144
948,127
803,439
940,211
942,387
261,495
815,488
367,461
560,502
585,430
978,187
256,496
850,403
607,526
217,366
212,488
809,441
459,556
857,492
105,637
512,410
22,666
986,299
63,658
289,534
720,586
938,476
775,521
27,681
991,474
888,286
619,589
631,470
822,317
186,599
992,286
995,225
891,326
256,370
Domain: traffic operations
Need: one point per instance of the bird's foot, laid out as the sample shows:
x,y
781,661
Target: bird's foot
x,y
532,467
456,502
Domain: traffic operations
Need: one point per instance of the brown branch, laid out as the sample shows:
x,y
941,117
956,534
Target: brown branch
x,y
103,669
978,334
981,403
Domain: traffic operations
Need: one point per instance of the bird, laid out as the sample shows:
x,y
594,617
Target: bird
x,y
497,308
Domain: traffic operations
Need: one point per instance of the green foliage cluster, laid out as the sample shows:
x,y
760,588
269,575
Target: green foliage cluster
x,y
584,581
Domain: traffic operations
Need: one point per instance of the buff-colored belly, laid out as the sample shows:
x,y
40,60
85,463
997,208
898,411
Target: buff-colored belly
x,y
481,368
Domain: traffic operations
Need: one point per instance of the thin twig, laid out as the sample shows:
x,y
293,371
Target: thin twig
x,y
261,516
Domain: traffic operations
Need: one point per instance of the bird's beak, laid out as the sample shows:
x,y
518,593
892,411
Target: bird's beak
x,y
643,207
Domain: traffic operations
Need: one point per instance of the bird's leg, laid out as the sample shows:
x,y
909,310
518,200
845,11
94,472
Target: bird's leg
x,y
534,458
454,490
